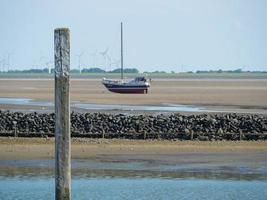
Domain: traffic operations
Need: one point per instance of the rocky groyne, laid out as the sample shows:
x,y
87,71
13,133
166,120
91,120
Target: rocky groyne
x,y
173,126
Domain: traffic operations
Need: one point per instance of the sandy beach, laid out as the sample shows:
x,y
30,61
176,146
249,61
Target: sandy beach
x,y
42,148
197,91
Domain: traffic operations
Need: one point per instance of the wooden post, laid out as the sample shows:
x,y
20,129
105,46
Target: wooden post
x,y
62,111
240,134
16,133
144,134
191,135
103,134
15,127
27,128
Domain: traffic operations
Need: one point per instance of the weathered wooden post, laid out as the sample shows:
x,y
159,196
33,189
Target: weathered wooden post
x,y
240,134
103,134
62,111
15,129
191,135
144,135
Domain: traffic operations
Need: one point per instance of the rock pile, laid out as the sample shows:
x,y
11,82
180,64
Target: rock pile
x,y
174,126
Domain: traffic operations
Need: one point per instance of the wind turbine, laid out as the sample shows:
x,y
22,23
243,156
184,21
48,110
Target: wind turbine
x,y
116,63
105,56
49,65
2,65
42,62
109,60
8,60
94,55
103,53
79,60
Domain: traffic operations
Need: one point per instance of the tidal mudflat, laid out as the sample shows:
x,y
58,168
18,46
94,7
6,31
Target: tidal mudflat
x,y
235,92
130,169
139,169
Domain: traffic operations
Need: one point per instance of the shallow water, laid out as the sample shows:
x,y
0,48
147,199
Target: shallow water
x,y
164,107
24,102
90,106
182,166
128,177
134,188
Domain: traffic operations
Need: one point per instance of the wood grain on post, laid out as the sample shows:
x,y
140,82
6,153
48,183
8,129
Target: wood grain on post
x,y
62,111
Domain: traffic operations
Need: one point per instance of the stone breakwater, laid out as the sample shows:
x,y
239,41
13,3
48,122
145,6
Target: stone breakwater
x,y
174,126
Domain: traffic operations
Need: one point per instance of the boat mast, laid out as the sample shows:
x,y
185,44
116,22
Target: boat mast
x,y
121,53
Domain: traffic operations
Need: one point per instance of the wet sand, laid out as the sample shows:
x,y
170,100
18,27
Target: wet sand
x,y
138,158
42,148
217,92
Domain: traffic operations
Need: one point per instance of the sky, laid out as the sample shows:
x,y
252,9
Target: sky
x,y
164,35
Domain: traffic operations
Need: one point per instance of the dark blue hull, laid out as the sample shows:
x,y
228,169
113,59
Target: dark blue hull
x,y
127,89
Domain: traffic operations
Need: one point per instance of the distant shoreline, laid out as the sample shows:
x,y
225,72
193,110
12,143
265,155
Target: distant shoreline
x,y
183,75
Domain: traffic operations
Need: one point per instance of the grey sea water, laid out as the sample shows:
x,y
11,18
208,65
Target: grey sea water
x,y
164,107
117,177
108,188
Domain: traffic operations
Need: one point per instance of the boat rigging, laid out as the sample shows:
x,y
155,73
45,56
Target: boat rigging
x,y
138,85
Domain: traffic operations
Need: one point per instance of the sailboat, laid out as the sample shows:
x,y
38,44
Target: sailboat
x,y
138,85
